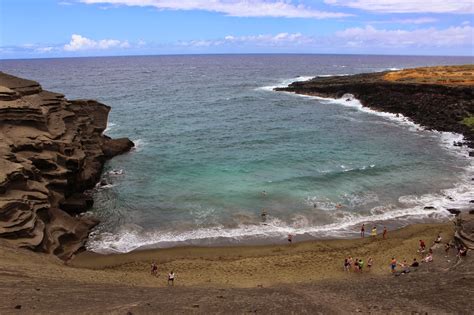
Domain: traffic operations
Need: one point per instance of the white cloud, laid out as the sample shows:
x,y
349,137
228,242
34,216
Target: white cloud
x,y
455,36
408,6
241,8
357,38
422,20
44,49
263,40
79,42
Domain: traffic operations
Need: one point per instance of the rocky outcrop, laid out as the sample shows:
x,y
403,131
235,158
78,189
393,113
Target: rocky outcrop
x,y
52,151
434,106
464,230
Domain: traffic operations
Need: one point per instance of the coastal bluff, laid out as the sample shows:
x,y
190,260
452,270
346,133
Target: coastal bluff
x,y
438,98
52,151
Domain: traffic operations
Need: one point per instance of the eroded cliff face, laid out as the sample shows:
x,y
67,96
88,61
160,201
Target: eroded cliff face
x,y
435,106
52,151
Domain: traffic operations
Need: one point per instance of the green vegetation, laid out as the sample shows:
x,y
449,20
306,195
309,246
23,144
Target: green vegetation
x,y
469,121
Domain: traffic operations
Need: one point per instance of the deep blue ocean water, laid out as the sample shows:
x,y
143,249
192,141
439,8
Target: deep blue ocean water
x,y
211,136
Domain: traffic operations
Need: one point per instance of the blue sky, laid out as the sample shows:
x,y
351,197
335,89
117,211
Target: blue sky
x,y
64,28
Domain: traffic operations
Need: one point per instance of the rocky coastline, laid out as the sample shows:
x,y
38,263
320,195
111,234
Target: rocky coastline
x,y
440,104
52,152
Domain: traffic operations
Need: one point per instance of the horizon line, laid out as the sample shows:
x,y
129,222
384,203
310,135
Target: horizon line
x,y
235,54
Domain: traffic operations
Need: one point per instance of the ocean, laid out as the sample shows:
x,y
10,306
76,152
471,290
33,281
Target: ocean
x,y
215,145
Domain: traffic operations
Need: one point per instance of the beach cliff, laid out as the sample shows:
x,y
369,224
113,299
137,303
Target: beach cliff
x,y
438,98
52,151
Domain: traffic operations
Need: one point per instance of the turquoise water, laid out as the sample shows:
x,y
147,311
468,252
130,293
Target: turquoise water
x,y
211,136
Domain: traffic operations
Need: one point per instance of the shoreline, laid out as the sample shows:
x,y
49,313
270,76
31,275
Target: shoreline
x,y
253,265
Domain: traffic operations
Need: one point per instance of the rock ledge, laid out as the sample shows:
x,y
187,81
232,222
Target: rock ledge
x,y
51,151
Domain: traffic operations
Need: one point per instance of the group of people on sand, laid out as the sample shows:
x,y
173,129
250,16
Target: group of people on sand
x,y
373,232
425,258
357,265
154,272
426,255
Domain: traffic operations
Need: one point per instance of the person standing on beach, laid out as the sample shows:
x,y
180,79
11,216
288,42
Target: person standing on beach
x,y
154,269
290,238
361,265
373,233
362,231
384,232
370,262
346,264
393,264
171,278
422,248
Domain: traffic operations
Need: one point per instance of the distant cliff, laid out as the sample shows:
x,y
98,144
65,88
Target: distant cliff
x,y
51,151
439,98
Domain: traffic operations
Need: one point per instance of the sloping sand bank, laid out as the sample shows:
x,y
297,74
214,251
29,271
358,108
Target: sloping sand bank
x,y
304,278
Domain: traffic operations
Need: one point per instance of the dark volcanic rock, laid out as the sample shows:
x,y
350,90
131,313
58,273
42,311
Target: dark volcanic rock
x,y
434,106
454,211
51,151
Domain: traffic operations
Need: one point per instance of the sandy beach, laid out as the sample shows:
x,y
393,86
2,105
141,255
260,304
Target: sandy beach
x,y
305,277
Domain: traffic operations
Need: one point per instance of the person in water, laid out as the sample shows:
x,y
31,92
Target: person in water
x,y
264,215
362,231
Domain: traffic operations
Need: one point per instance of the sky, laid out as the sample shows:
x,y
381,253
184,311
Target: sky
x,y
69,28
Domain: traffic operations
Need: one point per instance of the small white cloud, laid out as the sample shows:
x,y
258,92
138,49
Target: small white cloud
x,y
79,42
44,49
408,6
422,20
241,8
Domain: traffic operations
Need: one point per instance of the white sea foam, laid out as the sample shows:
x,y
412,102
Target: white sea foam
x,y
127,239
139,144
116,172
285,83
109,127
346,224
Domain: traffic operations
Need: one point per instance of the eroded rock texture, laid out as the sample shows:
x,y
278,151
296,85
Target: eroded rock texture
x,y
51,151
464,229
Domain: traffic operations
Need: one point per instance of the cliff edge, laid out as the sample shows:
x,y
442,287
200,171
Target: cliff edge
x,y
52,151
438,98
